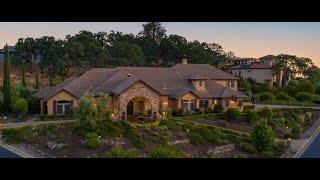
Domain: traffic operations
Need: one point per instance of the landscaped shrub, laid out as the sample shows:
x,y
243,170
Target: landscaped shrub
x,y
90,109
135,138
232,113
164,152
119,153
295,127
258,88
316,98
12,135
300,119
196,139
262,136
265,113
248,107
209,136
169,113
251,116
282,96
265,96
217,108
21,107
198,111
248,147
303,97
308,116
34,106
92,140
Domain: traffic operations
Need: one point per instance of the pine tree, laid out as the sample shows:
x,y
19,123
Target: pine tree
x,y
37,85
6,82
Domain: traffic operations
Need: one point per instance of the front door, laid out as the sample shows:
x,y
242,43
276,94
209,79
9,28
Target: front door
x,y
130,108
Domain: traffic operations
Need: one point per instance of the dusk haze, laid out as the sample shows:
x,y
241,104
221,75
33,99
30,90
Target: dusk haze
x,y
245,39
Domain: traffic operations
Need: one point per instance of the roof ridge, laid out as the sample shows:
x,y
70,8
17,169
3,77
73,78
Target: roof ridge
x,y
106,79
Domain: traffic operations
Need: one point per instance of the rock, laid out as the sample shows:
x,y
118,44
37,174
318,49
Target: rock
x,y
54,146
221,149
183,141
50,144
60,145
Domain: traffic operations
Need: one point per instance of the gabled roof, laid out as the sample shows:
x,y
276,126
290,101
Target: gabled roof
x,y
181,92
171,82
255,65
268,57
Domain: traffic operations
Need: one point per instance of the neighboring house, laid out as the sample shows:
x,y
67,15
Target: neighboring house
x,y
35,58
2,52
147,90
259,70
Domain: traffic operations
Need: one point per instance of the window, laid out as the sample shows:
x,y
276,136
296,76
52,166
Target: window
x,y
188,104
203,103
67,108
63,107
59,109
240,73
200,83
184,104
192,105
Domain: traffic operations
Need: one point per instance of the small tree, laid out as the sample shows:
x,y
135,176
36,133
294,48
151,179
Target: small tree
x,y
303,97
90,109
265,96
262,136
233,113
102,102
85,112
266,113
251,116
281,96
21,107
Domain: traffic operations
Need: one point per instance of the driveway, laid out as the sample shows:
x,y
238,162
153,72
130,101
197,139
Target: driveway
x,y
313,150
276,106
33,123
4,153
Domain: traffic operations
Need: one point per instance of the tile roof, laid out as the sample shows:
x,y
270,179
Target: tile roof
x,y
173,81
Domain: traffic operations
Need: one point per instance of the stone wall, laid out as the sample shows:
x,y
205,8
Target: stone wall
x,y
139,90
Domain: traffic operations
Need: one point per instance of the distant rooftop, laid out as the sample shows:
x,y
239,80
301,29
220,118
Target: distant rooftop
x,y
10,48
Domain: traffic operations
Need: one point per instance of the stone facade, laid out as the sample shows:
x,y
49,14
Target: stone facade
x,y
139,90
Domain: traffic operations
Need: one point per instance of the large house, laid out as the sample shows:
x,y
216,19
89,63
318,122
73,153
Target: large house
x,y
147,90
259,70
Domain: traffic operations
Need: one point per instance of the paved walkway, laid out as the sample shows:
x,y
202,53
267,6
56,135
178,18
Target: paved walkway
x,y
32,123
260,106
5,153
313,150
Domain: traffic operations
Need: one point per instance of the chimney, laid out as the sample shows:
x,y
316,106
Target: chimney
x,y
184,61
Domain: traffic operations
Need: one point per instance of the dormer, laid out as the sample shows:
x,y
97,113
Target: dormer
x,y
198,82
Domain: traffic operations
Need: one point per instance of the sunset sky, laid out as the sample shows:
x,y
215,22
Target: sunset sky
x,y
245,39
